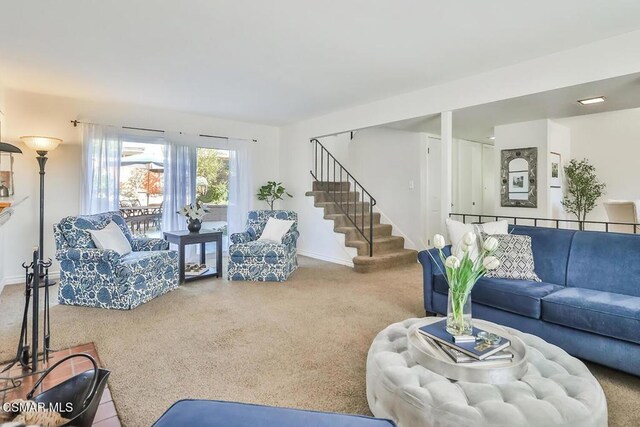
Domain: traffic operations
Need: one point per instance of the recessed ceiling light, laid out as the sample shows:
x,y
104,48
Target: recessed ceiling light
x,y
589,101
491,137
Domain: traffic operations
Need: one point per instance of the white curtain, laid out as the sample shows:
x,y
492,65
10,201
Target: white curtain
x,y
101,152
179,183
240,191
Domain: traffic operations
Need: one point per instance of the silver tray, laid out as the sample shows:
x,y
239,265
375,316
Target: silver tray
x,y
436,361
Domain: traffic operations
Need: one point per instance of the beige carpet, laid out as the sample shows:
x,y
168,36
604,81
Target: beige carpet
x,y
301,344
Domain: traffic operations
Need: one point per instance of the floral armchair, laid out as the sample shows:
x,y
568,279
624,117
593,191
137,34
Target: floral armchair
x,y
102,278
250,259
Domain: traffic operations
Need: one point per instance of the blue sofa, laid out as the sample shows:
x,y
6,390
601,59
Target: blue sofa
x,y
95,277
251,259
588,302
217,413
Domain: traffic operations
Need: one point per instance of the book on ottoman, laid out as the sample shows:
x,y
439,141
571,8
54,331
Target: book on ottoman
x,y
479,350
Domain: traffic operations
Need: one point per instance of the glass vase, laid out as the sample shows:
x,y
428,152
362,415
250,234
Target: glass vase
x,y
459,313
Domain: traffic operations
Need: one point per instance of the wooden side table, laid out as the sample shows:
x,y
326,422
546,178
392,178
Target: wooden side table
x,y
184,238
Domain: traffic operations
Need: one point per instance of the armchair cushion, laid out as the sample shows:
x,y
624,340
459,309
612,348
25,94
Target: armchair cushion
x,y
149,244
75,229
267,251
243,237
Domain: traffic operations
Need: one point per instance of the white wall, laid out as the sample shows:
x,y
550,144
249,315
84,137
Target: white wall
x,y
611,142
387,162
33,114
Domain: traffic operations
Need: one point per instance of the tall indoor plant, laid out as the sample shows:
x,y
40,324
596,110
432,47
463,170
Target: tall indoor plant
x,y
271,192
462,275
583,188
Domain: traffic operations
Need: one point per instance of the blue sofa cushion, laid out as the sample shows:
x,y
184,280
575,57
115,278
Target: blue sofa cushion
x,y
605,313
517,296
215,413
605,262
551,249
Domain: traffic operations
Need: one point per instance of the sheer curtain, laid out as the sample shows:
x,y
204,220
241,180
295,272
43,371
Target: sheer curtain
x,y
101,152
179,183
240,194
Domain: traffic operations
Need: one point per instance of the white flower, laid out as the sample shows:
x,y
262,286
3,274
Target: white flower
x,y
491,263
452,262
438,241
491,244
465,248
469,238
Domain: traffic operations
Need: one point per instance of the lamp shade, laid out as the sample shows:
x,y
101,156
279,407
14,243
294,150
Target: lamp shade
x,y
41,143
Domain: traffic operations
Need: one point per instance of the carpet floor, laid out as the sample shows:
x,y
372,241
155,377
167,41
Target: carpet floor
x,y
299,344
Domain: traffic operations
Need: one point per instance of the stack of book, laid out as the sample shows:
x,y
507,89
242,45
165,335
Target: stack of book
x,y
470,349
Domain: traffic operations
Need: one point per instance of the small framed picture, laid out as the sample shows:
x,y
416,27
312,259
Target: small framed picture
x,y
519,182
555,179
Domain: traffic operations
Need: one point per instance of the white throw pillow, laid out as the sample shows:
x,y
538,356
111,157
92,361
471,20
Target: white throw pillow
x,y
275,230
456,230
111,237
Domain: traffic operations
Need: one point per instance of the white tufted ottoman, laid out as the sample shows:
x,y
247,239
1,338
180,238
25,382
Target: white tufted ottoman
x,y
557,390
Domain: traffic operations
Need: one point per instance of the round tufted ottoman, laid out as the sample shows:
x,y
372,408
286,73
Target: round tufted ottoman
x,y
557,389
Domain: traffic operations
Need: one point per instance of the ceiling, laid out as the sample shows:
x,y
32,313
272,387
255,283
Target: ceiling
x,y
477,123
280,61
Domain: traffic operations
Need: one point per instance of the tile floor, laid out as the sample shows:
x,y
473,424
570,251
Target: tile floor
x,y
106,416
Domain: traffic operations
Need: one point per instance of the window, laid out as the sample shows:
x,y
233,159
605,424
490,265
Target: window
x,y
141,186
212,187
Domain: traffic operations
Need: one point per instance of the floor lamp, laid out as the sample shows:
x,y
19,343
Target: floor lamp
x,y
41,145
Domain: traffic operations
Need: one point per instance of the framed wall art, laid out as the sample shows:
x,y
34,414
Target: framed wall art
x,y
555,171
519,178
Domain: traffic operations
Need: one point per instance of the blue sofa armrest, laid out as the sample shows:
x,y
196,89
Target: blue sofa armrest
x,y
291,238
88,255
243,237
430,269
140,244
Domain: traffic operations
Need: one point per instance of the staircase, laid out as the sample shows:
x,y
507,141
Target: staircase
x,y
350,207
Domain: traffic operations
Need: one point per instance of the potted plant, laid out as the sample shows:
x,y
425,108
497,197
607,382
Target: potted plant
x,y
195,213
462,275
583,189
271,192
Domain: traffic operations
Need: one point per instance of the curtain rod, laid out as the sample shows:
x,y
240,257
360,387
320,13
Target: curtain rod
x,y
75,123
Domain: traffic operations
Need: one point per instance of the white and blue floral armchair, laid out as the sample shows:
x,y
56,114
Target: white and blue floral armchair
x,y
250,259
102,278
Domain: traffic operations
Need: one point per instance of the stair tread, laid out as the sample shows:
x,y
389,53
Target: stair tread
x,y
380,239
365,259
366,227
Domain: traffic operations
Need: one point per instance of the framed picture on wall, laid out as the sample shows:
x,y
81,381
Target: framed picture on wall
x,y
555,170
518,177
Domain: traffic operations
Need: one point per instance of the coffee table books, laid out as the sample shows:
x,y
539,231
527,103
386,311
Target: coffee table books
x,y
484,346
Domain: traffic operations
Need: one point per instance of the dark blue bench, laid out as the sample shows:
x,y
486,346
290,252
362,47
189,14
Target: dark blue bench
x,y
216,413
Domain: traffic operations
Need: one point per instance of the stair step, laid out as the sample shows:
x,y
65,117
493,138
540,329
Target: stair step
x,y
334,208
331,185
337,196
367,264
342,220
381,245
352,232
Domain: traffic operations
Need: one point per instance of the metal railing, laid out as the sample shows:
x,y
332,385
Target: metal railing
x,y
328,170
606,226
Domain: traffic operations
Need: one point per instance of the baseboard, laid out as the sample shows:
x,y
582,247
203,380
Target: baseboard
x,y
17,280
331,259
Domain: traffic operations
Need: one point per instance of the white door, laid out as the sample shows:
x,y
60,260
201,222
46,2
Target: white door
x,y
469,178
434,183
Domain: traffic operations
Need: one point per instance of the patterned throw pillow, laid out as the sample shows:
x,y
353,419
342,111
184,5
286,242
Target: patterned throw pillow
x,y
516,258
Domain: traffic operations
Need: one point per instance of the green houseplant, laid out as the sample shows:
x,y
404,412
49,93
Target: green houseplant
x,y
271,192
583,188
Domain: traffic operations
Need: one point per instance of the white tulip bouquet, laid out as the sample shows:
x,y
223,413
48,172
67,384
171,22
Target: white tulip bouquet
x,y
193,211
461,275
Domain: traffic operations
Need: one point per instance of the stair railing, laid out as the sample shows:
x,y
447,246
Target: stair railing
x,y
327,169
